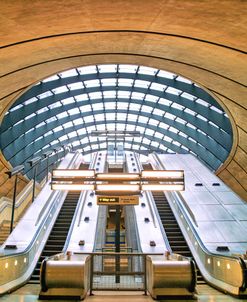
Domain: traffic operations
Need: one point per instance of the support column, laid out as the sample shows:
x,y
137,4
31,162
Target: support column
x,y
117,242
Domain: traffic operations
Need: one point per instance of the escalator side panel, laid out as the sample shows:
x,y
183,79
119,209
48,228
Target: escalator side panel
x,y
58,235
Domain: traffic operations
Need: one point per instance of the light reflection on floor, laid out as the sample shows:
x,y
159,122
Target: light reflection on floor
x,y
29,293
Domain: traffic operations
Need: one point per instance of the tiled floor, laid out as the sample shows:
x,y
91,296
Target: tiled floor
x,y
29,293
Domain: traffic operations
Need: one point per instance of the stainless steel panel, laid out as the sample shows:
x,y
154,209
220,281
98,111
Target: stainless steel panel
x,y
228,198
68,274
199,197
239,212
210,213
171,161
191,180
172,274
224,272
232,231
235,249
244,224
209,233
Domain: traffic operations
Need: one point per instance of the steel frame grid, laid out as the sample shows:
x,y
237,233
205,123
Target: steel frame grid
x,y
205,129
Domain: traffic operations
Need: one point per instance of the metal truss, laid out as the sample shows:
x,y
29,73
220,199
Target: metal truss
x,y
172,114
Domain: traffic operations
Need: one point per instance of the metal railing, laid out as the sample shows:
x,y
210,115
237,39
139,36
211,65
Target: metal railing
x,y
119,271
22,201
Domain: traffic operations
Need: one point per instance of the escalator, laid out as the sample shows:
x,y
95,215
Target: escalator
x,y
58,235
111,221
171,227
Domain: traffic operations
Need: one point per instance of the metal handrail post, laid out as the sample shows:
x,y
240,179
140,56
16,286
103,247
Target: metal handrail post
x,y
34,182
91,276
145,274
13,205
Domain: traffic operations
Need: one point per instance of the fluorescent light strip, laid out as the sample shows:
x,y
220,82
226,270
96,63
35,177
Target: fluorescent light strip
x,y
161,187
162,174
73,173
72,187
122,176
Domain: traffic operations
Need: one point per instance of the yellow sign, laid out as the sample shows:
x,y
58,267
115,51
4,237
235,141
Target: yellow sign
x,y
117,200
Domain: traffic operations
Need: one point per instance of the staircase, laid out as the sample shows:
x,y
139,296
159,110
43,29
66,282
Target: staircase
x,y
5,227
4,232
110,239
173,232
58,235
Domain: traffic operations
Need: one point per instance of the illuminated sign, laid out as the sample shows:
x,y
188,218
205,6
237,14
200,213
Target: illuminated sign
x,y
117,200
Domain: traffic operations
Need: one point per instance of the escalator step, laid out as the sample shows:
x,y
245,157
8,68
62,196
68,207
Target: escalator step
x,y
58,235
55,242
172,230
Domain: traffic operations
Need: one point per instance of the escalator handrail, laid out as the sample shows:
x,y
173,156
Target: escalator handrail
x,y
92,165
41,224
18,277
148,193
184,203
35,235
153,209
204,248
82,199
140,168
176,195
51,196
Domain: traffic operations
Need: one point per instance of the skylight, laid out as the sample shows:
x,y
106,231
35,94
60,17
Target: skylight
x,y
169,111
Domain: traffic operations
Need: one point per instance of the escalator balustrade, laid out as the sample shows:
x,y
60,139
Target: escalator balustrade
x,y
172,229
173,232
58,235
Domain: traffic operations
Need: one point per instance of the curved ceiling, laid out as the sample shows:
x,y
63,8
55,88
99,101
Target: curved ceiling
x,y
210,50
171,113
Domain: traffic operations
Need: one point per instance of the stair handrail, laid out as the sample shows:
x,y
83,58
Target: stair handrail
x,y
6,203
177,200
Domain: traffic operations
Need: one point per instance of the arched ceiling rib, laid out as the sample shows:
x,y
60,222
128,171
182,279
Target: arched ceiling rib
x,y
172,114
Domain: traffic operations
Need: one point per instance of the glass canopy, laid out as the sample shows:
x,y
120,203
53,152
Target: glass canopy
x,y
171,113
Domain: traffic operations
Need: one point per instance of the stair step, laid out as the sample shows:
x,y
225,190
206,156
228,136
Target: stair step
x,y
32,281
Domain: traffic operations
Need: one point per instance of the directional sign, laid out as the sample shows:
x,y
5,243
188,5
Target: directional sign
x,y
117,200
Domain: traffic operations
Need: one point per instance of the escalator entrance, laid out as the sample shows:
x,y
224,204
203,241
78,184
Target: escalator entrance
x,y
117,267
